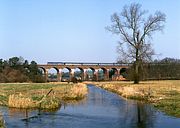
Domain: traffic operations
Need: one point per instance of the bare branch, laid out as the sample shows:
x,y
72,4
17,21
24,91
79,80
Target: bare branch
x,y
134,28
153,23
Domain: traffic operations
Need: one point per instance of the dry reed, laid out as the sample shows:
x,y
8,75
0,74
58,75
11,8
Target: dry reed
x,y
37,97
20,101
78,91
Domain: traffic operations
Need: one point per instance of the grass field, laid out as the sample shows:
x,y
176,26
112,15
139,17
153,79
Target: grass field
x,y
165,94
43,95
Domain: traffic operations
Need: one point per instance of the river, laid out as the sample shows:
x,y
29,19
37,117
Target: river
x,y
101,109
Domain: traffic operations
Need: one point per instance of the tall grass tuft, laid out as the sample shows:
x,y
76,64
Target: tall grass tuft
x,y
20,101
48,96
77,92
50,103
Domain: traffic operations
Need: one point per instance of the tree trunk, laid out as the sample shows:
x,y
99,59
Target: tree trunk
x,y
136,73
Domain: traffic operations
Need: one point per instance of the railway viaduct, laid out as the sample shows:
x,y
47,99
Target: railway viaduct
x,y
95,67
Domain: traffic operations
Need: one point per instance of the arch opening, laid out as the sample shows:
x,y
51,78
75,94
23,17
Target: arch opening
x,y
79,74
53,74
102,73
90,76
113,73
42,71
65,74
123,72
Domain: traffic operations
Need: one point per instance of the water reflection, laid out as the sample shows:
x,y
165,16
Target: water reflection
x,y
100,109
129,113
145,116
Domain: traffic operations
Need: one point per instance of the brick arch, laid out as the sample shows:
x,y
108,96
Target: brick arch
x,y
66,76
112,72
105,73
55,69
81,77
45,74
44,69
53,77
82,70
102,76
93,69
123,72
67,68
88,76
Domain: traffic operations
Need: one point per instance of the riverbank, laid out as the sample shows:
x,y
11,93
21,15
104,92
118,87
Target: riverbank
x,y
40,95
164,95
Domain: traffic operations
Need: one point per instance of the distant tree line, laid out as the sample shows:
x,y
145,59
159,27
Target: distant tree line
x,y
16,69
167,68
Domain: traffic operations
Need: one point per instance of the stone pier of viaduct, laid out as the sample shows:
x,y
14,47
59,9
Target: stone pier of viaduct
x,y
95,67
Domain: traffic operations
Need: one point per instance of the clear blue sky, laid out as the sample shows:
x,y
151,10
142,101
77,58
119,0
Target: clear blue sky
x,y
74,30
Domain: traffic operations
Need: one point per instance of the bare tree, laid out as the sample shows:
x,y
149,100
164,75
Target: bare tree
x,y
135,30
